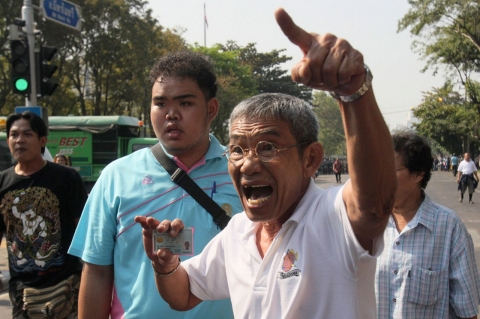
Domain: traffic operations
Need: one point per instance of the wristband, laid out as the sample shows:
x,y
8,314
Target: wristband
x,y
168,273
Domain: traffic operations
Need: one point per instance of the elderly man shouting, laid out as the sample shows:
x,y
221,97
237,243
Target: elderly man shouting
x,y
298,251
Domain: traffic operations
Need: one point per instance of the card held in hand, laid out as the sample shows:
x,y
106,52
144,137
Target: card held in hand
x,y
182,244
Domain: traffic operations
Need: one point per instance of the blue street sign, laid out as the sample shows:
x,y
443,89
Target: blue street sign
x,y
34,109
63,12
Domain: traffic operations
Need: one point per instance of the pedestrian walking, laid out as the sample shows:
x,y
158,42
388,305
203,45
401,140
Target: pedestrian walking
x,y
454,161
41,203
337,169
467,177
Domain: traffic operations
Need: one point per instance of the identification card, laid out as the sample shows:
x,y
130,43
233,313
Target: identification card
x,y
182,244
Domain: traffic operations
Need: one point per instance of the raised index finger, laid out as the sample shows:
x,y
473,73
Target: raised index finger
x,y
294,33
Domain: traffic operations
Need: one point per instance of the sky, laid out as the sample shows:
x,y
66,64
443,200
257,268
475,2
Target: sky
x,y
369,25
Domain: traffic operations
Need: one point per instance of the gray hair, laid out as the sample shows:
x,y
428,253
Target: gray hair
x,y
297,113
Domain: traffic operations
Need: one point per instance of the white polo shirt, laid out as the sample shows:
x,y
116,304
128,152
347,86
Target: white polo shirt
x,y
315,267
467,167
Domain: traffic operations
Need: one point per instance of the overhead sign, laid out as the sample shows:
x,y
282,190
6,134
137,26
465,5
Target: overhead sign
x,y
34,109
63,12
40,111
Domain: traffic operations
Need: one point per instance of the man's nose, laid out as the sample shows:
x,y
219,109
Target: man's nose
x,y
251,164
171,114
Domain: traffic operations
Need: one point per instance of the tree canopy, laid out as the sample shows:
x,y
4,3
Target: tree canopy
x,y
267,72
235,84
103,70
332,135
447,35
449,119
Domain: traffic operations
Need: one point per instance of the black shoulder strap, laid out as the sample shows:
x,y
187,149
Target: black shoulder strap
x,y
179,177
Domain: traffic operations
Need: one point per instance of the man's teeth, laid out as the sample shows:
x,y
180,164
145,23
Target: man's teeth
x,y
258,201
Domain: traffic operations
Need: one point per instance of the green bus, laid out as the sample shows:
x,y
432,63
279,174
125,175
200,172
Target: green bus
x,y
91,142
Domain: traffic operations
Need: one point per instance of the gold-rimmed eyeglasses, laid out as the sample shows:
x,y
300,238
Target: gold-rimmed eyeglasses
x,y
265,152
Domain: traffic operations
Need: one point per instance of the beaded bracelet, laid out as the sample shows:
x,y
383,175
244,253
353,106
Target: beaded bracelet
x,y
168,273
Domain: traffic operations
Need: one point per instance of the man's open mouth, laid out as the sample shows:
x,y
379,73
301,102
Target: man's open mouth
x,y
257,194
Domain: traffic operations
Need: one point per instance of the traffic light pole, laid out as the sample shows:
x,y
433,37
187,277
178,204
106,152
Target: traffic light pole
x,y
27,16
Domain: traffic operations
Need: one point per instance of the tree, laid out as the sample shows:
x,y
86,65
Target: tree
x,y
449,35
235,84
332,135
104,68
115,55
448,119
267,71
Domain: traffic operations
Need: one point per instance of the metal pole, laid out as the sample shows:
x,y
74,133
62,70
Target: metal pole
x,y
27,16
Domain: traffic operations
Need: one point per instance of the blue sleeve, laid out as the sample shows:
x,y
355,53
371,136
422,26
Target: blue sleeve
x,y
94,239
464,280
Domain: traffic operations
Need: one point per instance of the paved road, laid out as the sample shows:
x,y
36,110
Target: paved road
x,y
441,189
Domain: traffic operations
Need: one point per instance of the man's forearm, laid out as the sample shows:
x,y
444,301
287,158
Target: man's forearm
x,y
175,290
370,155
371,193
95,296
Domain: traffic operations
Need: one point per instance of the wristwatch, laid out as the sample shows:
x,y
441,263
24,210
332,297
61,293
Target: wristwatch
x,y
361,91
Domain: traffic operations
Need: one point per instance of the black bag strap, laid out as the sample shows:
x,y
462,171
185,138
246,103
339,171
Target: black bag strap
x,y
181,178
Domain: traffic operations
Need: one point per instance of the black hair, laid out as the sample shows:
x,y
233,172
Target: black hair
x,y
67,161
36,123
415,152
187,64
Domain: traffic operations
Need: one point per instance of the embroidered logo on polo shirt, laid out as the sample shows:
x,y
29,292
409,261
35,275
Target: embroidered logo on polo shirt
x,y
288,266
147,180
227,208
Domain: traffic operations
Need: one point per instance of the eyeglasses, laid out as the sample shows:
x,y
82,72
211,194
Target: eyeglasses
x,y
265,152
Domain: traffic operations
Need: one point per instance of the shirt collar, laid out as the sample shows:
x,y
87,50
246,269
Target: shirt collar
x,y
215,150
425,215
305,203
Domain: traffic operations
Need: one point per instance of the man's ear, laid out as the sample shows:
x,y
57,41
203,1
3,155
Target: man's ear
x,y
43,141
419,176
212,108
312,158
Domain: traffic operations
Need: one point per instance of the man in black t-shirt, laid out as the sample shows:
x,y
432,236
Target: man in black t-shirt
x,y
41,203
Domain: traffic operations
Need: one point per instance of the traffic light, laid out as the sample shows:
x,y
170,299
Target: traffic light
x,y
45,71
20,61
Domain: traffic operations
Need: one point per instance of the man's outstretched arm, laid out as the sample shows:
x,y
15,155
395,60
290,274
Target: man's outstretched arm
x,y
171,279
331,64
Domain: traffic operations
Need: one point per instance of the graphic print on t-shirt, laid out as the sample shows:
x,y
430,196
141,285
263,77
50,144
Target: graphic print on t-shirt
x,y
288,266
33,229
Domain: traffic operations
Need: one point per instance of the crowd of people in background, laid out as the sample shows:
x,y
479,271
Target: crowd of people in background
x,y
449,163
326,167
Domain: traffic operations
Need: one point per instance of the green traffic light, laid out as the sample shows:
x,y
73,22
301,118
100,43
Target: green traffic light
x,y
21,84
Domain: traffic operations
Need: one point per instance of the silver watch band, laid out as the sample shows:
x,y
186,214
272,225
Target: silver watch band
x,y
361,91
